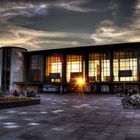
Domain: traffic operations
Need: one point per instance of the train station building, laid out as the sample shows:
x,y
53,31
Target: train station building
x,y
102,68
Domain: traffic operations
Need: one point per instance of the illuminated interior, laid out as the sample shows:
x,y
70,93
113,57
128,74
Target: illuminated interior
x,y
99,67
74,64
105,67
94,67
125,61
54,68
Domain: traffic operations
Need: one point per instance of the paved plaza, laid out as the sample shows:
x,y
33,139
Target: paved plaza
x,y
71,117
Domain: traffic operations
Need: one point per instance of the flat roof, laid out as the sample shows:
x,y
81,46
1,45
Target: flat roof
x,y
91,47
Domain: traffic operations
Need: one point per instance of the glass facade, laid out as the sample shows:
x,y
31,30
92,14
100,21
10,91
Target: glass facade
x,y
125,66
74,67
105,67
53,70
94,67
36,68
99,67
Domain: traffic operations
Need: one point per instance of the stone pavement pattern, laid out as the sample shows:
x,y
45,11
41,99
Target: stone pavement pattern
x,y
71,117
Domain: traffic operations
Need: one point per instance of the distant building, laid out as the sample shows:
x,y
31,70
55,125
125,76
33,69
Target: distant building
x,y
104,68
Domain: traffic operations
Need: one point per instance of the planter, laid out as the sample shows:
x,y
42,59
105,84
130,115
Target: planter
x,y
7,102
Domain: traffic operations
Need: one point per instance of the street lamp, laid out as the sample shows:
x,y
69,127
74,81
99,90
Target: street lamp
x,y
80,83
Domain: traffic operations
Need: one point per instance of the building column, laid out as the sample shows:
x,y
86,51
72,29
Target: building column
x,y
138,67
64,63
111,66
26,70
44,68
111,72
86,60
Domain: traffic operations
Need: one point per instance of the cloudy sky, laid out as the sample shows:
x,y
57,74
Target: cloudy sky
x,y
47,24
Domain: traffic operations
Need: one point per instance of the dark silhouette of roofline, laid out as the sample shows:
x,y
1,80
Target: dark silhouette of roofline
x,y
90,47
13,47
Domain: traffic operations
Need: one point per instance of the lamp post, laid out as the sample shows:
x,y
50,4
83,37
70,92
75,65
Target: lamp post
x,y
80,83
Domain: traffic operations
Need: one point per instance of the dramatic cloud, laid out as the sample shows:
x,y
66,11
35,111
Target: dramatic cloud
x,y
108,33
76,5
12,9
31,39
47,24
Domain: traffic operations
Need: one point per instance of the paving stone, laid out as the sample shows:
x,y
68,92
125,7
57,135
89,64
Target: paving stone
x,y
71,117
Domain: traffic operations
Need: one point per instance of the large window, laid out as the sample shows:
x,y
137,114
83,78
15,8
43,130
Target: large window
x,y
105,67
74,66
94,67
54,68
99,67
125,66
36,68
